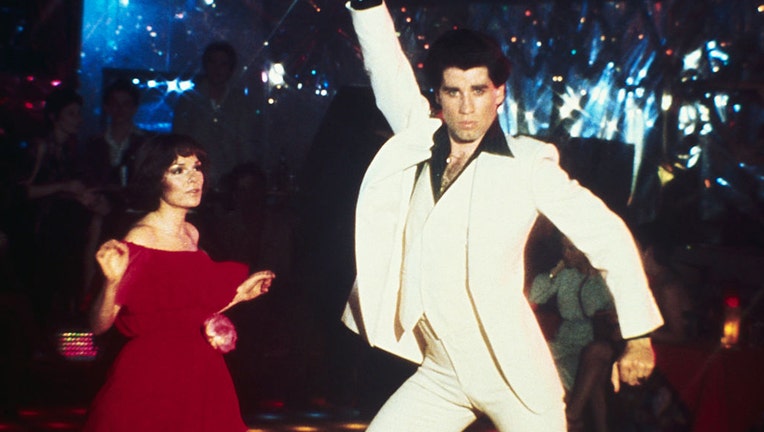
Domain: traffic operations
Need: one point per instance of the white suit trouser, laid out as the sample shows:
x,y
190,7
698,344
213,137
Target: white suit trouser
x,y
458,379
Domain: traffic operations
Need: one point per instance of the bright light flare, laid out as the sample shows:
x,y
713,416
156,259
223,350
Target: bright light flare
x,y
276,74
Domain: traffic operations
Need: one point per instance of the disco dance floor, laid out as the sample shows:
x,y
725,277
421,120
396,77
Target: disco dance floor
x,y
70,418
53,395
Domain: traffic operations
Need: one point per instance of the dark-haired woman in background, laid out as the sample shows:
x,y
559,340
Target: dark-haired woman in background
x,y
166,295
64,208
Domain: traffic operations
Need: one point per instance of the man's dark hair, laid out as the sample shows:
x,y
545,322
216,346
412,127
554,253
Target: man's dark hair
x,y
122,85
151,162
466,49
223,47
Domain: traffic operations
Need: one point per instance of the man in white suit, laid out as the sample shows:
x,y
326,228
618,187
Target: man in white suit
x,y
442,219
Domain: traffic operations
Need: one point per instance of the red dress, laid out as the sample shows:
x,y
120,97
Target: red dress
x,y
167,377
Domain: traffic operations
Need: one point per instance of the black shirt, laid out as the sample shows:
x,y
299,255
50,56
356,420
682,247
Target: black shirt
x,y
493,141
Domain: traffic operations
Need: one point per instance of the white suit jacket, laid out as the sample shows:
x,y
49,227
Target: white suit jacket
x,y
508,195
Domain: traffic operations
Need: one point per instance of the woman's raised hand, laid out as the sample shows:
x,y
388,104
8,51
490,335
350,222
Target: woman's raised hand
x,y
256,285
113,257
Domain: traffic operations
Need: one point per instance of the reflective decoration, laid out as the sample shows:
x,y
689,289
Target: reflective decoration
x,y
679,82
675,84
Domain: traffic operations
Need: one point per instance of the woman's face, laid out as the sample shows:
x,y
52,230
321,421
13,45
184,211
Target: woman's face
x,y
182,183
69,119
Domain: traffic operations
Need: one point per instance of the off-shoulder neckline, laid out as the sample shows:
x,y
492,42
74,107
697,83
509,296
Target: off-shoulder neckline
x,y
163,250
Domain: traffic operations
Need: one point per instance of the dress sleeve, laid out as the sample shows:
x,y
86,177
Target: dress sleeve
x,y
542,289
131,278
595,296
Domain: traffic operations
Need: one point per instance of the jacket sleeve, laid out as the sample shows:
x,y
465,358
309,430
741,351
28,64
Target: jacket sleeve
x,y
393,81
601,235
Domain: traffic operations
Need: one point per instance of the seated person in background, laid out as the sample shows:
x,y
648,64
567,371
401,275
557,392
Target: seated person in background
x,y
583,363
58,170
66,209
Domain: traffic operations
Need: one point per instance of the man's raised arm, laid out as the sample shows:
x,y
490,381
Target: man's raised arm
x,y
395,87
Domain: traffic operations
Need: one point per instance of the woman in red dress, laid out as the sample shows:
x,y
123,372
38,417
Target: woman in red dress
x,y
160,291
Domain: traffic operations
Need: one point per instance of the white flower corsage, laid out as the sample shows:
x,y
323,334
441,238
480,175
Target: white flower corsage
x,y
220,332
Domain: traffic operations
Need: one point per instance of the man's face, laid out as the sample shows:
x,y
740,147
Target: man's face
x,y
120,107
469,100
218,68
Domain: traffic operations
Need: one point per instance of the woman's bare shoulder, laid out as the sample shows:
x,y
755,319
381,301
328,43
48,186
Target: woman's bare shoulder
x,y
142,234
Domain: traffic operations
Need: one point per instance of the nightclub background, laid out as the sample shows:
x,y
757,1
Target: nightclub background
x,y
656,105
676,84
